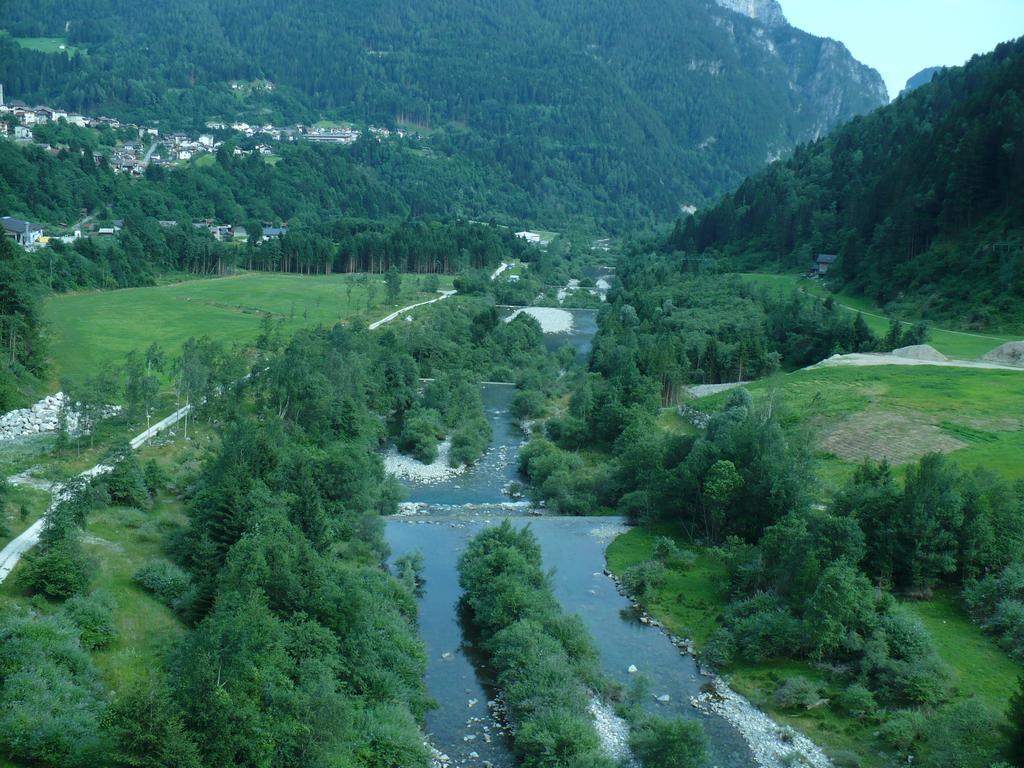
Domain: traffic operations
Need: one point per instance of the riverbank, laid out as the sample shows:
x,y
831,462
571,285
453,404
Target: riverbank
x,y
688,603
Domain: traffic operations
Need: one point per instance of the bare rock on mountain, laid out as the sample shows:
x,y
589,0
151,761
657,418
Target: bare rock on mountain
x,y
768,12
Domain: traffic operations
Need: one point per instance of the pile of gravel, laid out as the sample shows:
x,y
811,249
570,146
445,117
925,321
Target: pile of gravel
x,y
920,352
1010,353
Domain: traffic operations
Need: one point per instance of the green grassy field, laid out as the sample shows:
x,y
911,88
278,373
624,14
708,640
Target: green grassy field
x,y
901,412
119,541
22,507
691,600
979,666
49,45
145,627
95,328
957,344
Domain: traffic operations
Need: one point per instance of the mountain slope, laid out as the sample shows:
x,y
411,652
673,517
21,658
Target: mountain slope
x,y
923,77
604,109
921,200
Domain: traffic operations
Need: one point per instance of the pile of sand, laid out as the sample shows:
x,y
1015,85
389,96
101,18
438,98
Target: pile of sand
x,y
1010,353
920,352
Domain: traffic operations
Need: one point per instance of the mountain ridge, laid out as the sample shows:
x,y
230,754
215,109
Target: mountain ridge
x,y
609,112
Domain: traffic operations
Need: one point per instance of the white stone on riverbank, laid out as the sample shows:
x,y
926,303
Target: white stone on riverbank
x,y
772,745
551,320
410,468
613,732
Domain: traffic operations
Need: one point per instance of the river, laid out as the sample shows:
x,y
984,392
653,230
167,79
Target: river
x,y
462,726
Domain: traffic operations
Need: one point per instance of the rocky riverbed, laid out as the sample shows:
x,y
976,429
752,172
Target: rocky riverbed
x,y
408,467
772,745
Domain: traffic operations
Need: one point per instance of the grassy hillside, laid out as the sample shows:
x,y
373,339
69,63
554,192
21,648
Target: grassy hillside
x,y
902,412
957,344
94,328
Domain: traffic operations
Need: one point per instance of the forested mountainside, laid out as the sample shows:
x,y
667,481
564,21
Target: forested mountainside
x,y
622,111
920,200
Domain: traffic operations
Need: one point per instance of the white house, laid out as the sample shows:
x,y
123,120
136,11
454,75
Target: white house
x,y
531,237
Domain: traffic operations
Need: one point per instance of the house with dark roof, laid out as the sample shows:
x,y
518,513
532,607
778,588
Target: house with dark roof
x,y
821,264
24,233
269,232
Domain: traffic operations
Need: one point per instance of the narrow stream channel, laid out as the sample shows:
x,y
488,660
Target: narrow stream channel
x,y
462,726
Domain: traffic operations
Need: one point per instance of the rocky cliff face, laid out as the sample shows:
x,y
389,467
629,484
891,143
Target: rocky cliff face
x,y
768,12
826,84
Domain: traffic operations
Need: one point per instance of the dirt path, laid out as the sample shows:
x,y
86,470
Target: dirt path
x,y
864,358
385,320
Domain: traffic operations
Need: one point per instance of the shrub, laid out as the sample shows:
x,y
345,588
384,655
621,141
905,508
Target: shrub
x,y
421,431
51,693
962,735
144,728
796,693
168,583
527,404
93,614
126,483
845,758
543,660
669,743
665,549
857,701
643,577
902,729
470,441
410,569
129,517
720,648
155,477
58,570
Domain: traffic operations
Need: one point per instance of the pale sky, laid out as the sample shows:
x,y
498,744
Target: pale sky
x,y
901,37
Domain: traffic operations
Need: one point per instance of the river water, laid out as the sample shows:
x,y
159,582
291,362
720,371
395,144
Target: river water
x,y
458,508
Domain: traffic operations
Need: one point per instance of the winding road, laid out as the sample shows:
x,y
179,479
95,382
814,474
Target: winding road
x,y
11,554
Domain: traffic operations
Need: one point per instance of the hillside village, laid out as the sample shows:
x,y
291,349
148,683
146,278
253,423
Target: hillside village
x,y
137,147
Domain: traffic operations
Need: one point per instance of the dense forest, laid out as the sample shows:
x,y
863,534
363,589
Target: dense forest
x,y
615,112
298,648
920,200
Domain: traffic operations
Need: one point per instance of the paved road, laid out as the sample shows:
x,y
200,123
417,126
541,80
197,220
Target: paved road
x,y
12,553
